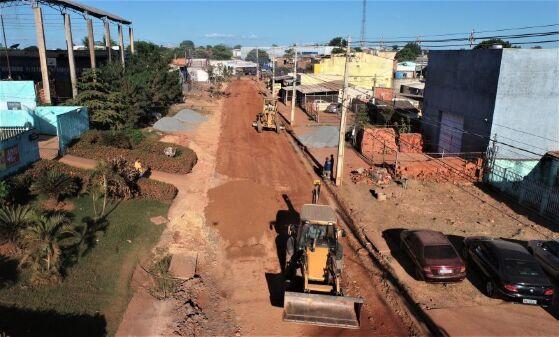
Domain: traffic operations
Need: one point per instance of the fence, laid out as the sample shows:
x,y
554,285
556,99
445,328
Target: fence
x,y
9,132
527,191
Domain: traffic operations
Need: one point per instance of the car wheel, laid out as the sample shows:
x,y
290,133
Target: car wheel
x,y
490,289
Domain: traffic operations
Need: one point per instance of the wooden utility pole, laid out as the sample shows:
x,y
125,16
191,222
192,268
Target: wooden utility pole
x,y
91,43
131,35
39,29
294,93
70,48
121,44
257,65
341,142
108,43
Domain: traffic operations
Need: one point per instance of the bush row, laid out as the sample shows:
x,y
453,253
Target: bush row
x,y
107,144
148,189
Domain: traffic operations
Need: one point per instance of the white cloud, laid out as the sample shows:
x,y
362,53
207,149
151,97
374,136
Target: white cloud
x,y
219,35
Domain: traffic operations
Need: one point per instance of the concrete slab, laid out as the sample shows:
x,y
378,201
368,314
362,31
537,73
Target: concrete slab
x,y
183,265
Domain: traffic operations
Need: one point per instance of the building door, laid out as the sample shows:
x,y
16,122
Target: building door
x,y
450,134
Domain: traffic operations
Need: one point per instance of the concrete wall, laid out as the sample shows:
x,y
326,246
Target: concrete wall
x,y
527,102
463,83
17,152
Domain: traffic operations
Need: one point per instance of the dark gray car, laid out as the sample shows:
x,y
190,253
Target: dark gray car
x,y
547,255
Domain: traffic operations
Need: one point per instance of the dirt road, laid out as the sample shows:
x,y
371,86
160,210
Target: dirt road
x,y
260,184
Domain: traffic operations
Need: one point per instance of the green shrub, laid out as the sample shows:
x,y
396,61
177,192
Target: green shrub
x,y
135,136
116,139
56,185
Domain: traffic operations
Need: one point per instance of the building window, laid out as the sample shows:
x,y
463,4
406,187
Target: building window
x,y
14,106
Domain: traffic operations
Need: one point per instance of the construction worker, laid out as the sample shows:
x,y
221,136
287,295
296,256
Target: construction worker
x,y
327,169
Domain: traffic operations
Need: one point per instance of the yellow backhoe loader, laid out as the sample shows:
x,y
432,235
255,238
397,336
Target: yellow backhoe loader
x,y
314,263
268,118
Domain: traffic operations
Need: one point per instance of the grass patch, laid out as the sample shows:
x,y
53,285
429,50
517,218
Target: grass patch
x,y
97,287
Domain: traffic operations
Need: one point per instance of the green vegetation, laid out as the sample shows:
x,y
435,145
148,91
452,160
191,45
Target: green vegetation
x,y
55,185
263,56
119,98
486,44
340,43
409,53
99,281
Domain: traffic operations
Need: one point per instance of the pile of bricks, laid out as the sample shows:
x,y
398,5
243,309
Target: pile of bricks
x,y
452,169
410,143
378,141
372,175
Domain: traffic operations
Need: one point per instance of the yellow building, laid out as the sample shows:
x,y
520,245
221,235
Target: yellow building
x,y
365,70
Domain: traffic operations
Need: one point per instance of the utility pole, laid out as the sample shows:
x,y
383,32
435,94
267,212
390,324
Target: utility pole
x,y
363,22
257,65
6,48
294,93
70,48
273,70
341,142
40,31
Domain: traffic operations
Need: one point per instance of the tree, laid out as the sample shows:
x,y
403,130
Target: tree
x,y
104,42
358,49
289,54
263,56
338,50
221,52
237,46
409,53
85,41
486,44
186,44
338,42
31,48
395,47
43,241
55,185
13,219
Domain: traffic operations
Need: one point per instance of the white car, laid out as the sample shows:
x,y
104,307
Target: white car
x,y
320,105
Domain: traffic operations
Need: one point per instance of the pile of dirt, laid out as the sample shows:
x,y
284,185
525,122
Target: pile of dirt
x,y
378,141
410,142
449,169
228,212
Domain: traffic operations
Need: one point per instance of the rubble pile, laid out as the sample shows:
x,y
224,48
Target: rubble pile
x,y
451,169
372,175
410,143
378,141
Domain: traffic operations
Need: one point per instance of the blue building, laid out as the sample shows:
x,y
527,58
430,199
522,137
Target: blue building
x,y
18,108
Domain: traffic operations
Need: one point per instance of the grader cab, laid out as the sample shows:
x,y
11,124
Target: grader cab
x,y
268,118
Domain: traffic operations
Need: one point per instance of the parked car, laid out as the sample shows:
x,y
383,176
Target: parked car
x,y
435,259
333,108
547,255
509,271
320,105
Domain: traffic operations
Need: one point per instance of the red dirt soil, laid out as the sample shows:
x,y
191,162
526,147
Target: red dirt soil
x,y
266,183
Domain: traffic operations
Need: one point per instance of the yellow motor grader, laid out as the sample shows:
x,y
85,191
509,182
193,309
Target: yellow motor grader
x,y
314,264
268,118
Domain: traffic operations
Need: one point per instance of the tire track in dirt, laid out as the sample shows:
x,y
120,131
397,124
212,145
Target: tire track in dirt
x,y
266,183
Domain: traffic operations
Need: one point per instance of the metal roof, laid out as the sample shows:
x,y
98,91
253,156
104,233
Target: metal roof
x,y
89,10
323,87
321,213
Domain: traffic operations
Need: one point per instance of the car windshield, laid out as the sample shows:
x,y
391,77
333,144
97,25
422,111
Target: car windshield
x,y
521,268
439,252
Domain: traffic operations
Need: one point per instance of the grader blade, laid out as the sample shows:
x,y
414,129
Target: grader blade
x,y
323,310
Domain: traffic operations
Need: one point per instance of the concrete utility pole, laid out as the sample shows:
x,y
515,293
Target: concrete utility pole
x,y
91,43
294,94
6,48
42,51
273,70
131,35
108,44
121,44
70,47
257,64
341,142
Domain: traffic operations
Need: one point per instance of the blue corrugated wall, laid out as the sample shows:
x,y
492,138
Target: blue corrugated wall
x,y
28,152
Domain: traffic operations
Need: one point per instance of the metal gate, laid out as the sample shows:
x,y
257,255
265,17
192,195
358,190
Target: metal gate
x,y
450,134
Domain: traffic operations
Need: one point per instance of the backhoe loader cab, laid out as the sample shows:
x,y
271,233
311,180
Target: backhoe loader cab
x,y
315,254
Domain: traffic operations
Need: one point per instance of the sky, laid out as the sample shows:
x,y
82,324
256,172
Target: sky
x,y
262,23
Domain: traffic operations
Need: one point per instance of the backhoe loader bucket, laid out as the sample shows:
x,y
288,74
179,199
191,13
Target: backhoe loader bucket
x,y
324,310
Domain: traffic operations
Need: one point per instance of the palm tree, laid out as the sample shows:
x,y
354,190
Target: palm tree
x,y
55,185
13,219
44,240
